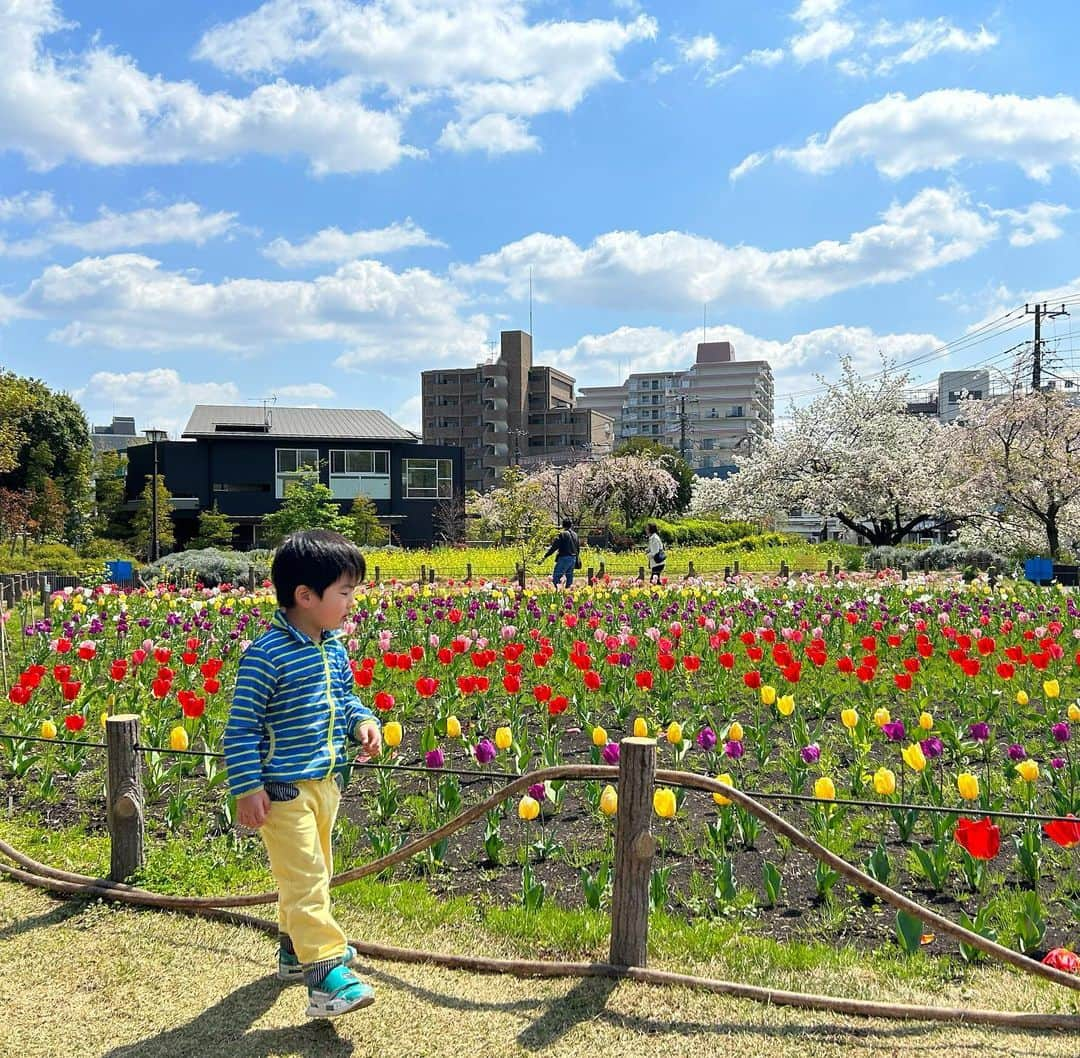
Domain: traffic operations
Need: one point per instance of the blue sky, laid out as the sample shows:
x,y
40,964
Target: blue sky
x,y
317,199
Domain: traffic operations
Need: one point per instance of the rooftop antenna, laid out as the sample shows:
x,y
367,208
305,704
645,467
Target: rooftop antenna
x,y
491,343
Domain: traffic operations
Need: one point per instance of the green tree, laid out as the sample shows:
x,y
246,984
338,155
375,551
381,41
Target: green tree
x,y
142,537
308,504
110,473
16,402
516,513
671,461
215,530
364,525
48,511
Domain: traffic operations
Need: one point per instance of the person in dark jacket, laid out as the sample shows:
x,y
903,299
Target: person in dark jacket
x,y
565,548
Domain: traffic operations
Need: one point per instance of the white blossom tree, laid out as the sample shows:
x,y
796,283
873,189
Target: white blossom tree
x,y
1022,455
854,454
567,490
635,485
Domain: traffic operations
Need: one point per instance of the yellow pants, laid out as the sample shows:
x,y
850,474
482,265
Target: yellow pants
x,y
297,838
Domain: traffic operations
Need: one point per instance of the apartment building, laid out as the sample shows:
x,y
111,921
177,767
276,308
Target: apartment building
x,y
716,407
510,411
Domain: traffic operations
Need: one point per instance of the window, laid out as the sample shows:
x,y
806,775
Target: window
x,y
427,479
707,444
735,412
291,465
241,486
359,472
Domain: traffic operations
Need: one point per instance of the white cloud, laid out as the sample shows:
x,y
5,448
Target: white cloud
x,y
1037,223
310,391
924,38
97,106
814,10
702,50
672,270
30,206
182,222
408,413
486,57
128,301
493,133
822,41
940,129
158,398
332,245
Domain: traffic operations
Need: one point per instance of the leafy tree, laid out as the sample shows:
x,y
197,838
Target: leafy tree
x,y
215,530
671,461
308,504
16,402
516,512
48,511
110,473
364,525
853,454
142,536
15,516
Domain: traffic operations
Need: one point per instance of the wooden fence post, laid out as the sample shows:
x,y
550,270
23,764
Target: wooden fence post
x,y
377,574
46,601
468,571
727,573
828,569
431,575
521,575
690,569
634,850
736,567
251,578
589,576
600,572
784,571
641,574
125,795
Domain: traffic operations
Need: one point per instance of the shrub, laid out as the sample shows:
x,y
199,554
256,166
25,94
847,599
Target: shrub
x,y
697,532
938,557
209,566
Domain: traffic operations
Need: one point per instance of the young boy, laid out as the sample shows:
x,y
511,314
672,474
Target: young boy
x,y
285,753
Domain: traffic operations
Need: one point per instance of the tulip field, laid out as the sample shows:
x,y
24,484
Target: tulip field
x,y
926,730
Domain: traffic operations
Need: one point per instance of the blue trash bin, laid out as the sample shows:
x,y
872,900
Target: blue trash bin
x,y
1039,570
119,572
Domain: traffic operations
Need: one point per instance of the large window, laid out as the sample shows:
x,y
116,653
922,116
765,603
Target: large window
x,y
292,463
427,479
359,471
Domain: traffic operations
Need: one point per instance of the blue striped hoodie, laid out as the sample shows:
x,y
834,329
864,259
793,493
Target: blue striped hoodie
x,y
292,709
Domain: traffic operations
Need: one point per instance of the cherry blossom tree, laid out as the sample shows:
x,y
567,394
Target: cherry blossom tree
x,y
635,485
854,454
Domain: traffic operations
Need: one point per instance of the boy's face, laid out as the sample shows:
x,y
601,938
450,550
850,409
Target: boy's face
x,y
335,605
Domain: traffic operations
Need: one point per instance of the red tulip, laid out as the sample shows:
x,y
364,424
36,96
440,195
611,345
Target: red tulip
x,y
71,690
511,683
592,680
162,655
727,660
691,662
1063,833
902,681
62,646
19,695
159,688
118,669
426,686
445,655
542,692
61,673
74,722
558,705
845,664
384,701
416,652
1063,959
87,651
138,656
194,707
665,661
981,839
363,677
752,679
189,657
1005,670
211,686
644,680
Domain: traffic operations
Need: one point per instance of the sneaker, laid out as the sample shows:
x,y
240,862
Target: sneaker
x,y
340,992
290,968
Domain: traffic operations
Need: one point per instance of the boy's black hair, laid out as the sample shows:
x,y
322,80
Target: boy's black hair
x,y
567,523
315,557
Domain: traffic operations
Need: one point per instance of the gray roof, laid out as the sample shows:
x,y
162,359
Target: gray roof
x,y
356,424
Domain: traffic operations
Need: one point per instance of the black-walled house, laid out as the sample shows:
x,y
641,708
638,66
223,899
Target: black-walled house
x,y
242,458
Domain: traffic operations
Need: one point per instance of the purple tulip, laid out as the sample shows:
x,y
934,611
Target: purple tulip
x,y
734,749
932,747
811,754
1057,763
706,739
434,758
485,751
1060,732
894,730
537,791
610,753
1016,752
980,731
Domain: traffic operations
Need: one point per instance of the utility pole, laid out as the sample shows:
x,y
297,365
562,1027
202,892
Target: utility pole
x,y
1040,313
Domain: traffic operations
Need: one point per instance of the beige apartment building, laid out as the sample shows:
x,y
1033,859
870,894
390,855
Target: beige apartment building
x,y
510,411
709,411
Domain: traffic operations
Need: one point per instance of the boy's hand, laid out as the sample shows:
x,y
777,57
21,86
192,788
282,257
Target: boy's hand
x,y
370,738
252,809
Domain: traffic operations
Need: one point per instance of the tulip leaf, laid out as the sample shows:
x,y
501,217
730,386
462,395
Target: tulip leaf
x,y
909,932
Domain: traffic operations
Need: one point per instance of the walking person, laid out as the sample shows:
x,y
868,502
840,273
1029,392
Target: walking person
x,y
657,554
565,547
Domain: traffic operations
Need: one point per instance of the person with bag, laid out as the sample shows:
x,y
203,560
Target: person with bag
x,y
565,547
657,554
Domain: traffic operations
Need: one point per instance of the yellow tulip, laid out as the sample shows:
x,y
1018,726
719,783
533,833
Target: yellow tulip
x,y
48,729
504,737
599,737
663,802
1028,770
824,789
641,729
392,733
849,718
1051,688
785,704
768,694
881,716
104,718
726,779
914,757
735,731
453,727
884,782
178,738
674,733
926,721
1074,713
968,785
1022,698
609,801
528,808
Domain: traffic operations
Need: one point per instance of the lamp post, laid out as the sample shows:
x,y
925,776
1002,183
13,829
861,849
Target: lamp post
x,y
155,437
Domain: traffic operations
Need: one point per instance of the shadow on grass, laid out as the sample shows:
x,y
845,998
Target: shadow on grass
x,y
224,1030
53,917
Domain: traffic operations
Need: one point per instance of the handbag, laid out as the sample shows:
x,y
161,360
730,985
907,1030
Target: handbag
x,y
660,557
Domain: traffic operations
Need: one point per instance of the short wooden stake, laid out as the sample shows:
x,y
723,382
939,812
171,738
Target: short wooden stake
x,y
727,573
468,571
601,572
634,850
377,574
690,569
641,574
736,567
125,808
589,575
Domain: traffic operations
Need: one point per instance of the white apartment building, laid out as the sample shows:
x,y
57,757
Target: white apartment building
x,y
709,411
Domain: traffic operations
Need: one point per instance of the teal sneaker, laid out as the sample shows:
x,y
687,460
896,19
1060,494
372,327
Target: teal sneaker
x,y
289,967
341,991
